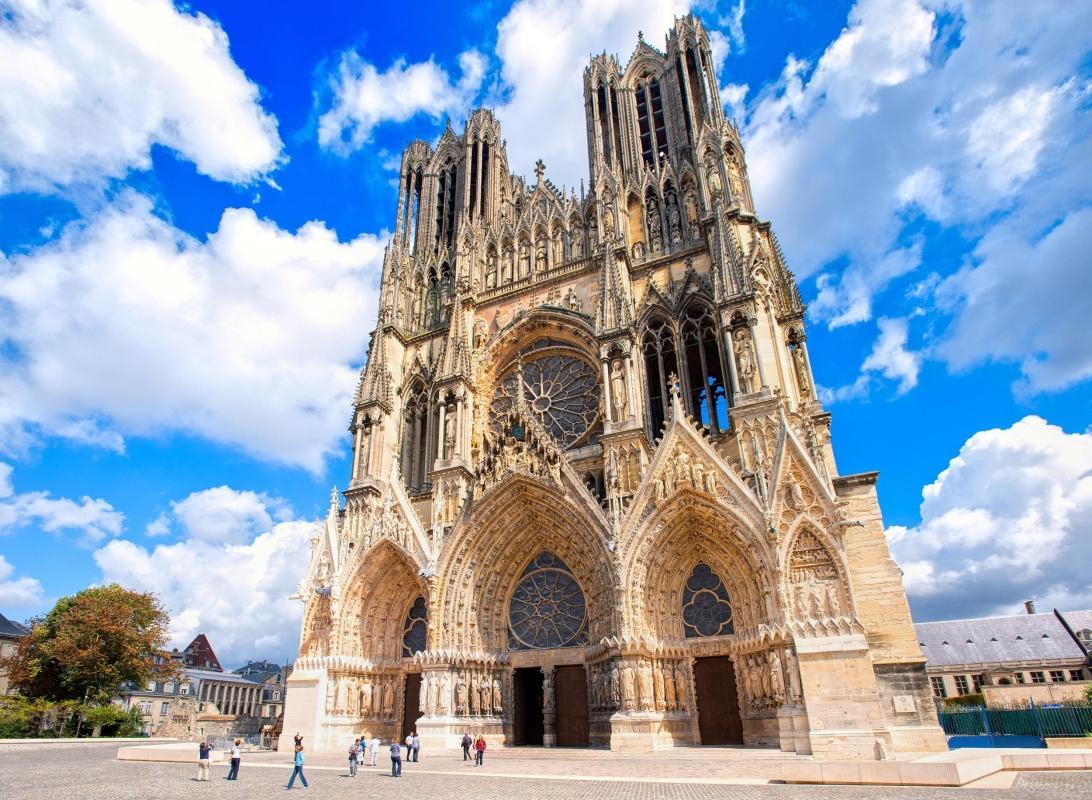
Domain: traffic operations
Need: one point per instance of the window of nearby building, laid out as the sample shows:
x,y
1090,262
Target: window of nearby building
x,y
938,687
168,688
1020,677
145,706
164,708
185,689
977,681
276,695
1076,675
961,684
1057,676
1038,677
151,686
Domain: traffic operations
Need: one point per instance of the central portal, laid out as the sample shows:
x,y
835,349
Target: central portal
x,y
718,705
527,721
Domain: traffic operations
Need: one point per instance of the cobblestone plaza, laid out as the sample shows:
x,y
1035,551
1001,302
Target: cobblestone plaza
x,y
67,772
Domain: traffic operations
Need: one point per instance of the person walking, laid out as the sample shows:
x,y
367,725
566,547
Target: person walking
x,y
479,749
416,746
354,757
373,751
204,753
297,768
236,757
297,740
467,743
396,759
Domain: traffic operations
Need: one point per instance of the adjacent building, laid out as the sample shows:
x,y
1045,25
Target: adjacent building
x,y
1009,659
10,634
593,497
207,701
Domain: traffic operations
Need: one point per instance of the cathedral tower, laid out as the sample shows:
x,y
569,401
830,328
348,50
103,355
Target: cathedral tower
x,y
593,498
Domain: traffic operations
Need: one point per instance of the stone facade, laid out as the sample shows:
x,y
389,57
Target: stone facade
x,y
593,496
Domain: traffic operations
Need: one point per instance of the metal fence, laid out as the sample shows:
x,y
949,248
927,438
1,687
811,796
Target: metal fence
x,y
1039,721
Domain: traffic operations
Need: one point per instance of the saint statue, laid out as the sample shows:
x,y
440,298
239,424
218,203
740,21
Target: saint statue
x,y
540,255
801,370
618,391
524,259
745,362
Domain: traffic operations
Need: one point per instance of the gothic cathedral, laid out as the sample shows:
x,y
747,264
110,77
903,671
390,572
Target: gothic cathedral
x,y
593,497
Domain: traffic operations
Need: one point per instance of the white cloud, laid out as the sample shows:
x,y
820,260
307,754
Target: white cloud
x,y
24,592
969,113
543,47
234,590
87,88
1007,520
890,358
225,515
126,325
93,518
364,97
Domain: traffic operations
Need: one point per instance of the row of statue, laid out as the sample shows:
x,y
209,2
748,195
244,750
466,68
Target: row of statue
x,y
467,692
768,680
644,685
371,696
511,454
815,599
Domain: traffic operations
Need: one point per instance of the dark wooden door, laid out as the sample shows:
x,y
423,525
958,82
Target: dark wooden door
x,y
411,705
527,723
571,702
718,705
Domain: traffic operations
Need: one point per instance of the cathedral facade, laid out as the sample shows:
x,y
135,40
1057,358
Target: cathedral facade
x,y
593,498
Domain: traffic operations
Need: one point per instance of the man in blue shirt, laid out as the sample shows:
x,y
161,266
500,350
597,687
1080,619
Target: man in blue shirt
x,y
396,759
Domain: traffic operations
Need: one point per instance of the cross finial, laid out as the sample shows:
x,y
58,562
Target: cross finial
x,y
676,397
540,169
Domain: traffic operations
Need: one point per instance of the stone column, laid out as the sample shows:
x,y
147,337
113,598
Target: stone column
x,y
733,373
606,390
458,427
356,451
440,454
549,714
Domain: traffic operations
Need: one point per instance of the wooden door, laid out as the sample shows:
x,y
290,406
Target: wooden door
x,y
411,705
718,705
571,702
527,722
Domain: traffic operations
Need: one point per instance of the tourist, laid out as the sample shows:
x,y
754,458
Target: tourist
x,y
297,768
354,757
204,753
416,740
467,742
396,759
479,749
373,751
297,739
236,757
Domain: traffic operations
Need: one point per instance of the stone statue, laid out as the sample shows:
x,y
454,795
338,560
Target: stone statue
x,y
498,703
777,681
714,180
506,266
674,224
540,255
524,259
615,689
794,693
794,497
644,682
745,362
388,700
801,370
618,391
472,694
366,696
577,239
460,696
449,434
655,227
669,688
548,691
487,696
628,688
680,691
735,180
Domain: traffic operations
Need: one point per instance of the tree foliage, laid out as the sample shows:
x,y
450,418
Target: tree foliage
x,y
89,644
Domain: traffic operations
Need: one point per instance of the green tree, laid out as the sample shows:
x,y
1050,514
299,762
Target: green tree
x,y
89,644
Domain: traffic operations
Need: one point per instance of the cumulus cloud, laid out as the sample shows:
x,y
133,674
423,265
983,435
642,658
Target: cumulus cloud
x,y
1007,520
127,325
93,519
87,88
364,97
23,592
234,588
966,113
890,357
543,47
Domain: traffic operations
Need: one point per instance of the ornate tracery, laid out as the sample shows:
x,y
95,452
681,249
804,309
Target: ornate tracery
x,y
706,607
547,608
414,628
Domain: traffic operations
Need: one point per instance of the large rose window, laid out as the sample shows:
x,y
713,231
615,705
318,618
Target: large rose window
x,y
547,608
561,389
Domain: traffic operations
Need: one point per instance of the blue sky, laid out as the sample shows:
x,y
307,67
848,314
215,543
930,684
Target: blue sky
x,y
194,201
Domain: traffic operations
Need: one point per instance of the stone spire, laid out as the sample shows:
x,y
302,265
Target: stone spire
x,y
614,306
455,357
374,386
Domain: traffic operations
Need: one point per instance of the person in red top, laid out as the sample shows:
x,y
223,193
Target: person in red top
x,y
479,749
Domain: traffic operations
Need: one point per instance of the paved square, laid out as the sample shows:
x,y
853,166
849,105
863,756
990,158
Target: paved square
x,y
65,772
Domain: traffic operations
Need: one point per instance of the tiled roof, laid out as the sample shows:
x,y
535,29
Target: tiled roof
x,y
989,640
10,628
